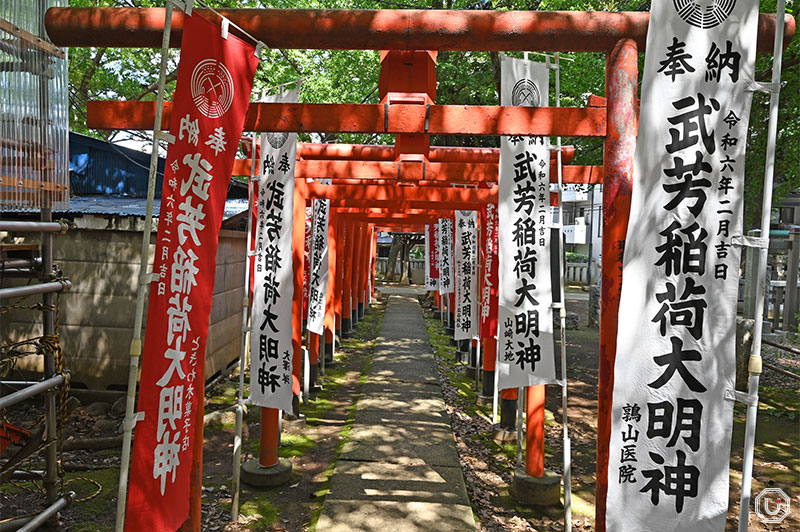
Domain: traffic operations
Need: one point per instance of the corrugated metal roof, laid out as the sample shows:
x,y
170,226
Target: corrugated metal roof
x,y
99,167
136,206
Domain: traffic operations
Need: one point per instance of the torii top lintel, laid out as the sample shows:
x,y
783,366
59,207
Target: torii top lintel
x,y
383,29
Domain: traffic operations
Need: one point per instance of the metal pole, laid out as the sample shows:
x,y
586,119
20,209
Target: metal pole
x,y
44,226
47,289
245,347
49,329
48,512
495,392
766,208
30,391
520,410
567,474
135,350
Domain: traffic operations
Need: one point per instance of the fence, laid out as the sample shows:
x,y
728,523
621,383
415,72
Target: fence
x,y
382,263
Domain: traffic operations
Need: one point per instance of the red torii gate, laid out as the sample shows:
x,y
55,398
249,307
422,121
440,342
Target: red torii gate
x,y
619,35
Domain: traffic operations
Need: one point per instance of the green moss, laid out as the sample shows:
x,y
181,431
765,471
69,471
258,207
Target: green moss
x,y
84,514
295,445
262,507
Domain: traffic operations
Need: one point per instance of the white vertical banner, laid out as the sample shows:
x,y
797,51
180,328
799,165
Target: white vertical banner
x,y
271,344
466,268
446,256
674,373
431,280
525,314
318,276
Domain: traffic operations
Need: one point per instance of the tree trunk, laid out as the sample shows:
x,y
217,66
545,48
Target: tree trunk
x,y
405,263
397,244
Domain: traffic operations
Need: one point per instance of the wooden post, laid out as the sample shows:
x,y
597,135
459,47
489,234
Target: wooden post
x,y
622,73
790,308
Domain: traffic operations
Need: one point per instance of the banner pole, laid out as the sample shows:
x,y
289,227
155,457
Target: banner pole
x,y
144,282
766,209
237,438
495,392
520,411
567,474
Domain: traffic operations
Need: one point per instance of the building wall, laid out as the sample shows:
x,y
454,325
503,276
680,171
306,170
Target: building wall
x,y
101,258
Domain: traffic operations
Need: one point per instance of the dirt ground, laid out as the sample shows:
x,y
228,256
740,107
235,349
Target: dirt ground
x,y
488,467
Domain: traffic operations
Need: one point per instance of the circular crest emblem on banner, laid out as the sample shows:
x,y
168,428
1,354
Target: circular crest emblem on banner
x,y
277,140
212,88
704,14
525,93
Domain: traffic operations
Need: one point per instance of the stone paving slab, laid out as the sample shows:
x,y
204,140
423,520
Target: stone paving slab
x,y
400,483
391,516
378,417
399,469
411,443
404,403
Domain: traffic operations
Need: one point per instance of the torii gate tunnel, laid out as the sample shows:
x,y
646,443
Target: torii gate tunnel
x,y
411,183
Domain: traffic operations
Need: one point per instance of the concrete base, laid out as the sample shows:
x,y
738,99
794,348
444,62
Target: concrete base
x,y
437,314
483,400
470,372
537,491
264,477
501,435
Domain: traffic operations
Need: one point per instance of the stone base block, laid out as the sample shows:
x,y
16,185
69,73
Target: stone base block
x,y
537,491
501,435
255,474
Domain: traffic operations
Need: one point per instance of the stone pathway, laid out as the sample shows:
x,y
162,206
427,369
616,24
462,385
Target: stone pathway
x,y
399,469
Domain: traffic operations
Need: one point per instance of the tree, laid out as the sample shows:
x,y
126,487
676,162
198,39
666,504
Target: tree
x,y
351,76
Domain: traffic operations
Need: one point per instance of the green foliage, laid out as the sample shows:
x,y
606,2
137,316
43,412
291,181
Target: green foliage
x,y
571,256
351,76
787,155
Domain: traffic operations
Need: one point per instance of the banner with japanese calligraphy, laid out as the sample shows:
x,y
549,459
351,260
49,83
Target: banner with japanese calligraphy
x,y
307,256
466,268
489,237
525,314
446,281
431,266
271,337
319,267
675,365
215,76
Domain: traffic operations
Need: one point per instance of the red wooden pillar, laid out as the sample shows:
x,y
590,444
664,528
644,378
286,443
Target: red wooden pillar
x,y
330,294
374,259
268,444
347,277
534,434
623,121
298,265
337,273
363,267
355,272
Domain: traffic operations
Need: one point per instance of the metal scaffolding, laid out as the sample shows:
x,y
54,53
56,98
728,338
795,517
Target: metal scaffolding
x,y
33,175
